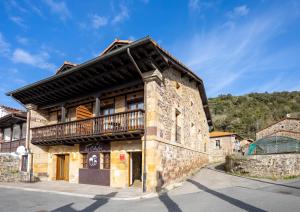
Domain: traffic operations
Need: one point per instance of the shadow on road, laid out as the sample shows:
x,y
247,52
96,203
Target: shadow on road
x,y
100,201
262,181
226,198
169,203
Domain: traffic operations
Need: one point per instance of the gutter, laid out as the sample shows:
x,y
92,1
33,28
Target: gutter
x,y
145,118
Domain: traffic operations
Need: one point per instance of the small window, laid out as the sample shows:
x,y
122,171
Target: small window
x,y
177,127
24,163
177,85
16,132
204,147
105,160
24,128
218,144
7,134
84,160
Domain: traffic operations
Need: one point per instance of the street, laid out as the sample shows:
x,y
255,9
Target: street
x,y
208,190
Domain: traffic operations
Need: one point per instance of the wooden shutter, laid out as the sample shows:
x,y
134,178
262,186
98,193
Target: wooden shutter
x,y
84,111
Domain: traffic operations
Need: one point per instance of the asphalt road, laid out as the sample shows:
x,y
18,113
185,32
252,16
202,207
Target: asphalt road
x,y
192,196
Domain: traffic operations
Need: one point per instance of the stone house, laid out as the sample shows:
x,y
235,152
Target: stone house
x,y
134,115
222,144
287,127
12,139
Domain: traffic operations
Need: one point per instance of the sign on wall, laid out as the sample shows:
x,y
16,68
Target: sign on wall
x,y
93,160
95,147
122,157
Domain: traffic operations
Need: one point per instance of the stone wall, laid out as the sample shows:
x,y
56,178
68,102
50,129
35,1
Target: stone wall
x,y
269,166
174,99
119,170
289,127
170,163
9,168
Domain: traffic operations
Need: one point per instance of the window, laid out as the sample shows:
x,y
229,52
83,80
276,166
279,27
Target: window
x,y
105,160
177,85
84,160
218,144
16,132
136,118
204,147
107,121
24,128
24,163
7,134
177,128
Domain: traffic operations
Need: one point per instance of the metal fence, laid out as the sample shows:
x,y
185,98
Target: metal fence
x,y
275,145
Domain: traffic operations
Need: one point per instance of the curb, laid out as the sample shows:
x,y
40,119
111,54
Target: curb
x,y
145,196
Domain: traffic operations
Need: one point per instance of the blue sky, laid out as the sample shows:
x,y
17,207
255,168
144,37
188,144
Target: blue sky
x,y
235,46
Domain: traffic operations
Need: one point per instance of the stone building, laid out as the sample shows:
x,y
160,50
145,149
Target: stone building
x,y
223,144
287,127
132,116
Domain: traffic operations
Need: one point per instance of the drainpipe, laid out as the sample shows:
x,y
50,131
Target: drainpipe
x,y
145,118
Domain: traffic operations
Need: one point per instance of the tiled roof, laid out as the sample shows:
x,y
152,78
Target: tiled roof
x,y
115,43
220,134
10,108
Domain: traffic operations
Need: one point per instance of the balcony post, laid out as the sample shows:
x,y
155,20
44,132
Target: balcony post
x,y
97,106
63,113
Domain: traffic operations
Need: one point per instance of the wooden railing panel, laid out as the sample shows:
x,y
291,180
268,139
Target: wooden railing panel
x,y
118,122
12,145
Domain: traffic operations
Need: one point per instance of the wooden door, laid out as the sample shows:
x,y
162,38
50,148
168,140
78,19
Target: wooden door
x,y
62,167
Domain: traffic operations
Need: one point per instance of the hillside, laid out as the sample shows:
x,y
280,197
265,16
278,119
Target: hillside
x,y
245,114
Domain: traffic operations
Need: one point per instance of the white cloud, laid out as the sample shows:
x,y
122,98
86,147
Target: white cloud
x,y
18,20
4,46
123,15
60,8
22,40
13,5
98,21
194,4
37,60
242,10
228,58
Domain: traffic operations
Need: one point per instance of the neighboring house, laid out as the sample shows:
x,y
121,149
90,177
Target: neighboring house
x,y
12,131
133,115
223,144
287,127
5,110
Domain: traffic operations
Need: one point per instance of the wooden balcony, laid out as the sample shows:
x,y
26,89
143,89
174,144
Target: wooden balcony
x,y
118,126
11,146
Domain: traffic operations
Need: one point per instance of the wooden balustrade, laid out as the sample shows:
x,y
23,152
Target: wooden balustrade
x,y
114,123
11,146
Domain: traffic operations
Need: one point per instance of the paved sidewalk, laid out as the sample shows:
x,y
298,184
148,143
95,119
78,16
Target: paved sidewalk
x,y
208,178
81,190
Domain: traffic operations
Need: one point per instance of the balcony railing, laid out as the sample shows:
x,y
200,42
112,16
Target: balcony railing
x,y
11,146
105,124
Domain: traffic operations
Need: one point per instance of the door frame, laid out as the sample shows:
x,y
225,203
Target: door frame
x,y
65,168
130,168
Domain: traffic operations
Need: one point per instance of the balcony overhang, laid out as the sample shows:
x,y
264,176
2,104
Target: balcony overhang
x,y
111,69
11,119
105,137
119,126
